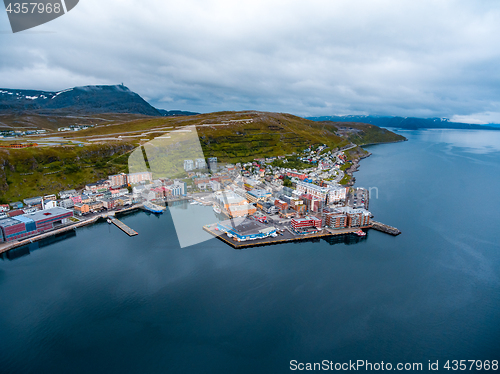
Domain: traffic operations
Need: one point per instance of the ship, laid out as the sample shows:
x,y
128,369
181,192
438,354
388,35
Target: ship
x,y
217,209
153,208
360,233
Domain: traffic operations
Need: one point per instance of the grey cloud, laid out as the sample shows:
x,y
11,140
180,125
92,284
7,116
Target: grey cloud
x,y
409,58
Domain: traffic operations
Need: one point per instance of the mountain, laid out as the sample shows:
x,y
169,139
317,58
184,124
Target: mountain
x,y
85,100
409,123
175,113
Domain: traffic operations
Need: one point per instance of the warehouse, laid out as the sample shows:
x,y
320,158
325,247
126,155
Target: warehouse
x,y
16,228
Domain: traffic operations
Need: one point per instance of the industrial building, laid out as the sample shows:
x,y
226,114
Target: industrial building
x,y
246,230
35,223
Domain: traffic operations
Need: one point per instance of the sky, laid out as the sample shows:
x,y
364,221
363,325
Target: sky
x,y
310,58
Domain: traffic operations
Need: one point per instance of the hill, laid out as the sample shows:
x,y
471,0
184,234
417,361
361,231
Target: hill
x,y
104,149
409,123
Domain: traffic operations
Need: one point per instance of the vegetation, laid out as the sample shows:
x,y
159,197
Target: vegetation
x,y
39,171
293,162
363,133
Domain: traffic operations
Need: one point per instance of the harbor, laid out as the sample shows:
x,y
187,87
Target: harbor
x,y
127,230
286,236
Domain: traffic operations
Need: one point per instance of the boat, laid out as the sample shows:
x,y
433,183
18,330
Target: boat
x,y
153,208
217,209
360,233
109,220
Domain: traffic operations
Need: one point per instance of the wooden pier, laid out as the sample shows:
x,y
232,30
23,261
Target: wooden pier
x,y
127,230
385,228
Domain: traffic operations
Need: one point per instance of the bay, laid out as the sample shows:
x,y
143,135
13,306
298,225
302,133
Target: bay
x,y
99,301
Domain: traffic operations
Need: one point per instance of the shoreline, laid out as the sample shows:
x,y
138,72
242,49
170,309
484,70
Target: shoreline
x,y
5,247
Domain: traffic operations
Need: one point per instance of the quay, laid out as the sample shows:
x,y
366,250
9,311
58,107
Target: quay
x,y
127,230
5,247
286,238
385,228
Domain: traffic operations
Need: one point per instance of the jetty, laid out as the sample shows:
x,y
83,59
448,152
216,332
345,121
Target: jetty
x,y
127,230
385,228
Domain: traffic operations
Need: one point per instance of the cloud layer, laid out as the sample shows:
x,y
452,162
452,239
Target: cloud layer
x,y
318,57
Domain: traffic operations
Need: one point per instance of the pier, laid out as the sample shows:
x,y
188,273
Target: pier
x,y
385,228
127,230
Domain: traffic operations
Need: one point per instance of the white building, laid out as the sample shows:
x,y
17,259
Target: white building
x,y
200,163
140,177
188,165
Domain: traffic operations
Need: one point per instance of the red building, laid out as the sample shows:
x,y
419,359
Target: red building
x,y
281,204
306,222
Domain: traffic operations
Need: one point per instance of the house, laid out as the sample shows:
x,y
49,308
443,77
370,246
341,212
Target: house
x,y
66,203
67,194
82,209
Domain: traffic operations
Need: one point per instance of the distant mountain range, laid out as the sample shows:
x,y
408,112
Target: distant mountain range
x,y
85,100
409,123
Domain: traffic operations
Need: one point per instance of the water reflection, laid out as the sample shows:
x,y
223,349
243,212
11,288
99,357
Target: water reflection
x,y
16,253
473,141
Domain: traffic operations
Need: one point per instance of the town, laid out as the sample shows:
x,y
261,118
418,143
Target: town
x,y
263,199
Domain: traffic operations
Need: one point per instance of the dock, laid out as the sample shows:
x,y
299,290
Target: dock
x,y
385,228
288,237
127,230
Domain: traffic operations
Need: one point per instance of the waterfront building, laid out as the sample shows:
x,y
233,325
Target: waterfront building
x,y
336,220
51,218
140,177
336,193
188,165
82,209
246,230
356,217
108,203
307,222
118,180
16,228
96,206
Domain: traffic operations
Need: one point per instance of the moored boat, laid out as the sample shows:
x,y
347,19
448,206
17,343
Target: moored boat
x,y
153,208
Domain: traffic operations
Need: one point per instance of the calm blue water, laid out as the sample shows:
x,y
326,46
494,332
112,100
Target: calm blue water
x,y
102,302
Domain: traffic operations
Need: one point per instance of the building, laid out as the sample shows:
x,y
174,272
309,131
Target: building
x,y
358,217
108,203
51,218
233,204
118,180
317,192
281,204
4,207
268,207
200,163
67,194
336,220
96,206
16,205
50,198
257,194
34,201
16,228
212,164
82,209
306,223
49,204
188,165
100,186
66,203
337,193
246,230
140,177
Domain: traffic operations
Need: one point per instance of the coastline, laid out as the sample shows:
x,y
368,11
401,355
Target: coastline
x,y
5,247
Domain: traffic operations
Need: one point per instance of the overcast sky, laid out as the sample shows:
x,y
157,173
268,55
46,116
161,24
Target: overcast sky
x,y
394,57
